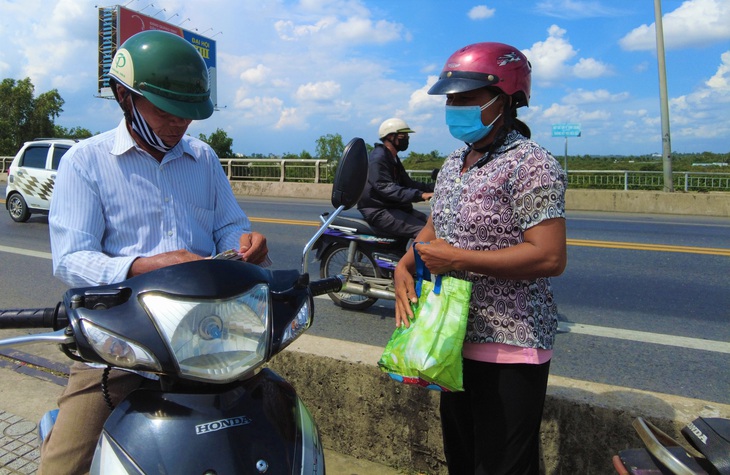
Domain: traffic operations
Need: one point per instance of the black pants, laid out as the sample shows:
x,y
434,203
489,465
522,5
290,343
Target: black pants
x,y
398,222
493,427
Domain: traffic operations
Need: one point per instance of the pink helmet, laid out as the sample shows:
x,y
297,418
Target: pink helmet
x,y
486,64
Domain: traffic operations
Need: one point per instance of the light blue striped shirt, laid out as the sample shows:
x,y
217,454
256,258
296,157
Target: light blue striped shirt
x,y
113,202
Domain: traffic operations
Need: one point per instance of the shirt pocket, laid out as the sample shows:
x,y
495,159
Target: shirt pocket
x,y
199,229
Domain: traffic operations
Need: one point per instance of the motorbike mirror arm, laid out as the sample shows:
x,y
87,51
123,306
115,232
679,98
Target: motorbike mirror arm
x,y
320,231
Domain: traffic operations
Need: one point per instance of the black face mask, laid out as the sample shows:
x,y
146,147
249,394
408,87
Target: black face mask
x,y
401,145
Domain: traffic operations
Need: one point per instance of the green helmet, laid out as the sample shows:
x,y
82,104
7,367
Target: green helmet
x,y
167,70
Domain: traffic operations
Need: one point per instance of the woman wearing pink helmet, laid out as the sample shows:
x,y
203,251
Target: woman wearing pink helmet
x,y
497,219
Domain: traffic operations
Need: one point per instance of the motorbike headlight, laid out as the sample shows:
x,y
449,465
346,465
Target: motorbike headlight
x,y
213,340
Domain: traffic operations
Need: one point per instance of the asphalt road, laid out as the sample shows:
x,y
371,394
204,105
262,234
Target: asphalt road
x,y
644,302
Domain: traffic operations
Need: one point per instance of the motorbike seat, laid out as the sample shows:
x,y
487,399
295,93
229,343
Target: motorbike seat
x,y
355,223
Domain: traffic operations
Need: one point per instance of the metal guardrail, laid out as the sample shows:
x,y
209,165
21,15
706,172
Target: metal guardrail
x,y
642,180
322,171
282,170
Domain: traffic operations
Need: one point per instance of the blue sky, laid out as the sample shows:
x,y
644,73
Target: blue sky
x,y
292,71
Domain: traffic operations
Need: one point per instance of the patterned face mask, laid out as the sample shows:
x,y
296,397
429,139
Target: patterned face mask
x,y
143,129
465,122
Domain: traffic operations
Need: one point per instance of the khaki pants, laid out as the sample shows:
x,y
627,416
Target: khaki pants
x,y
69,447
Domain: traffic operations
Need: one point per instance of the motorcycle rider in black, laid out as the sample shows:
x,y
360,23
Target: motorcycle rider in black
x,y
386,202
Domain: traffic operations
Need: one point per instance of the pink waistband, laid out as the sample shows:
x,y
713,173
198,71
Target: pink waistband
x,y
508,354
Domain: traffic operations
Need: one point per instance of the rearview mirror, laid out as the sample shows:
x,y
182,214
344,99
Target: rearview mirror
x,y
352,175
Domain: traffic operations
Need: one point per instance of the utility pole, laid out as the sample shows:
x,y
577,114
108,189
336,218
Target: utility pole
x,y
666,141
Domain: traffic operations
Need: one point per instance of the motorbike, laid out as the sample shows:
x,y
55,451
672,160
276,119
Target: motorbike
x,y
366,257
705,450
204,330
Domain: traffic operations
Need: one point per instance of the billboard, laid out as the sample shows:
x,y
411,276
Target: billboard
x,y
117,24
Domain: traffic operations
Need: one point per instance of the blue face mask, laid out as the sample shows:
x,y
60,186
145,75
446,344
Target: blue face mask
x,y
465,122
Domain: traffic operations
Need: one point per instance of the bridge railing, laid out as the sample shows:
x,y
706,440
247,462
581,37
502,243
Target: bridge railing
x,y
282,170
646,180
322,171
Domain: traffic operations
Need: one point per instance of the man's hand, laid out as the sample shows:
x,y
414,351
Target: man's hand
x,y
253,248
426,196
142,265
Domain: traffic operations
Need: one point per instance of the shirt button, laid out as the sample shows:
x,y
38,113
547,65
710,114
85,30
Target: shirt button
x,y
447,210
458,180
169,233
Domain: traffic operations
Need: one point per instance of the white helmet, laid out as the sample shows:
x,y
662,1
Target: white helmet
x,y
394,126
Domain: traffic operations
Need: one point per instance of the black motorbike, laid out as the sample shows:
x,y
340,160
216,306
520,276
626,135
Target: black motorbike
x,y
705,450
203,330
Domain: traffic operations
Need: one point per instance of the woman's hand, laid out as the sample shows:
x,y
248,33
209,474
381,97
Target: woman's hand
x,y
437,255
405,295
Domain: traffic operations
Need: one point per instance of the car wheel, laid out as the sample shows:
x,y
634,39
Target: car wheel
x,y
18,209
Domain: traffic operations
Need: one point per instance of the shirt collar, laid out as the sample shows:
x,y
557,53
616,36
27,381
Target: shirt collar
x,y
123,142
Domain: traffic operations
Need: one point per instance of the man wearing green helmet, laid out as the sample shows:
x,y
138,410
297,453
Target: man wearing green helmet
x,y
134,199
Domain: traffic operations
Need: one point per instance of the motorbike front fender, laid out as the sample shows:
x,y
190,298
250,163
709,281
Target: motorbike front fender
x,y
251,426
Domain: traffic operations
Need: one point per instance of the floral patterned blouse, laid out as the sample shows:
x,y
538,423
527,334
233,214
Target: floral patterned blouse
x,y
488,208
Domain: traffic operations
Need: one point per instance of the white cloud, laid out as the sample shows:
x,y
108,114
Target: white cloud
x,y
703,113
582,96
290,120
421,101
721,79
480,12
257,75
551,60
549,57
260,108
694,23
574,9
319,91
336,32
588,68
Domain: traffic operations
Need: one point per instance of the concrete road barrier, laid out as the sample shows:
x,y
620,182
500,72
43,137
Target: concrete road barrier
x,y
363,413
618,201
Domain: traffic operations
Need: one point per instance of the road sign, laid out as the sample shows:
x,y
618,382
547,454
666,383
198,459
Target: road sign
x,y
566,130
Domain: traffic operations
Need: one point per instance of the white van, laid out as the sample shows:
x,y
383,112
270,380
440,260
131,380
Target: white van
x,y
31,177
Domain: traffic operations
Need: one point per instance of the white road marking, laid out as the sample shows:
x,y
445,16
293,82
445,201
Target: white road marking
x,y
564,327
646,337
25,252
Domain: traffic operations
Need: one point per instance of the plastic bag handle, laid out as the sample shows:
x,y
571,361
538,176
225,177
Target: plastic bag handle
x,y
422,273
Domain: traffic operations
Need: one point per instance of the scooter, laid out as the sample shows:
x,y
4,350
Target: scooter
x,y
705,450
366,257
204,329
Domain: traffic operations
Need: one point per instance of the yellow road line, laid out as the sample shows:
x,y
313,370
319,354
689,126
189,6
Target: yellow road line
x,y
571,242
649,247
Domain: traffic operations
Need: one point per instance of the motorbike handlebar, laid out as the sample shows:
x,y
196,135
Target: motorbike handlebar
x,y
325,286
49,317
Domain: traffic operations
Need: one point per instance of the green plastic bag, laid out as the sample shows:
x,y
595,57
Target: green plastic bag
x,y
428,352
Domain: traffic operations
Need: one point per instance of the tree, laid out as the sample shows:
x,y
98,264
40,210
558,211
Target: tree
x,y
23,117
72,133
219,142
330,147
